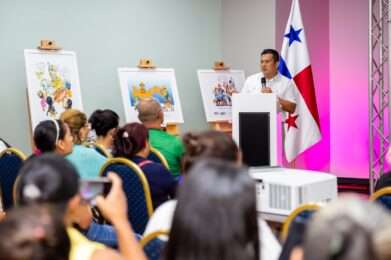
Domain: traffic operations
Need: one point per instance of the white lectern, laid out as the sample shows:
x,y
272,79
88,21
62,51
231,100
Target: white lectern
x,y
254,127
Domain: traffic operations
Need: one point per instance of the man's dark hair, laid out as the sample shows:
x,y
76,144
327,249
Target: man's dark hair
x,y
273,52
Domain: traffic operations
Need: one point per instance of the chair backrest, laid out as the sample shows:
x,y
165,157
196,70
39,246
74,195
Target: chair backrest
x,y
153,244
136,188
301,214
156,156
11,160
382,196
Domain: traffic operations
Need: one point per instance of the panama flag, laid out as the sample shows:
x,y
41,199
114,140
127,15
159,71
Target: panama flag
x,y
302,129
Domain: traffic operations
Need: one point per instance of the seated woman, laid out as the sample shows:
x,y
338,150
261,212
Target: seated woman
x,y
216,215
347,229
41,235
87,161
53,136
211,145
52,179
131,142
104,123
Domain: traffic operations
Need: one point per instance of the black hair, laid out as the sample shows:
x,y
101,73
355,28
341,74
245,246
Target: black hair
x,y
34,232
102,121
49,178
46,133
384,181
216,215
208,144
273,52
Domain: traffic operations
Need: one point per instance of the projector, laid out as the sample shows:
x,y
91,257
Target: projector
x,y
280,191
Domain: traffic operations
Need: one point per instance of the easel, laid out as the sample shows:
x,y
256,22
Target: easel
x,y
45,45
222,126
147,64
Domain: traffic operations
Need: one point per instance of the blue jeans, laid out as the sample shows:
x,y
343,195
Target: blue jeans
x,y
104,234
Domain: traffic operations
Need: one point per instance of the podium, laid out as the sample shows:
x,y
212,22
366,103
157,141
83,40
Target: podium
x,y
254,127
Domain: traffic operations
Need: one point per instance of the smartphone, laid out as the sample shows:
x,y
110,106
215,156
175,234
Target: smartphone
x,y
91,188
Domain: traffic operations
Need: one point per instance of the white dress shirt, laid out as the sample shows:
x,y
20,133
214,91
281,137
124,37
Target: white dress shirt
x,y
282,86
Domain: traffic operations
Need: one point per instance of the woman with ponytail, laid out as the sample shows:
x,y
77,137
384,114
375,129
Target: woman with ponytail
x,y
131,142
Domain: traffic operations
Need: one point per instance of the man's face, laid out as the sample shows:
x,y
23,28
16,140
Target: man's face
x,y
269,67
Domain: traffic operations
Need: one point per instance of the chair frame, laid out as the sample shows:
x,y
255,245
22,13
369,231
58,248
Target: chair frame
x,y
294,214
379,193
145,240
140,175
160,156
23,157
15,151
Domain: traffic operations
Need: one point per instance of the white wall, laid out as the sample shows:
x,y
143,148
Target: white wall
x,y
248,27
184,35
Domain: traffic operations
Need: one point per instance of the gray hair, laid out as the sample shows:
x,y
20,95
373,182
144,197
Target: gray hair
x,y
345,230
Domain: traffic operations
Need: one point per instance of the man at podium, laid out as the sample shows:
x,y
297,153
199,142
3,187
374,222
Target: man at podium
x,y
269,80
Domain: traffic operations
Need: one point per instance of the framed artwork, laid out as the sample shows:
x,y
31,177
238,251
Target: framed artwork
x,y
160,84
217,88
52,84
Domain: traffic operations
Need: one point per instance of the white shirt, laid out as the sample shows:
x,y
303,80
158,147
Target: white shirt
x,y
282,86
162,220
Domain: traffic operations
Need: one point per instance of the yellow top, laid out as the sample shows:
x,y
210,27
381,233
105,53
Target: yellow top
x,y
81,247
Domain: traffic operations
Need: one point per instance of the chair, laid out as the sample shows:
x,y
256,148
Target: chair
x,y
153,244
382,196
11,160
136,188
156,156
301,214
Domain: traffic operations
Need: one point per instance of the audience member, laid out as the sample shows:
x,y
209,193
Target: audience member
x,y
51,179
150,113
131,142
216,215
344,230
87,161
104,124
34,232
53,136
210,145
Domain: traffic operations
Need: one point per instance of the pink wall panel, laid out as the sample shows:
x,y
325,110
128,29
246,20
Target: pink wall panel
x,y
337,38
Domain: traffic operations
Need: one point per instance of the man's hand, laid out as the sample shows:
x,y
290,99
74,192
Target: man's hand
x,y
266,90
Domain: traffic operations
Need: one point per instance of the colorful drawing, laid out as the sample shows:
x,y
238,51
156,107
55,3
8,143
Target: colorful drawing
x,y
223,90
55,88
161,93
217,88
53,84
160,84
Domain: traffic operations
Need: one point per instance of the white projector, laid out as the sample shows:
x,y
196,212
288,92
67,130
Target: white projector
x,y
280,191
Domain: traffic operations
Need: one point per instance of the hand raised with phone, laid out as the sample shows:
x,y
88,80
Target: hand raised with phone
x,y
114,206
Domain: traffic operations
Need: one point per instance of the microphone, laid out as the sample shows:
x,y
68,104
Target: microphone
x,y
263,82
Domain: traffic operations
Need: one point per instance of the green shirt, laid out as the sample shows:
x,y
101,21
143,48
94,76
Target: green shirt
x,y
170,146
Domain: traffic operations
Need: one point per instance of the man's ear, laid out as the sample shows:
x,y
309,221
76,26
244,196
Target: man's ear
x,y
161,115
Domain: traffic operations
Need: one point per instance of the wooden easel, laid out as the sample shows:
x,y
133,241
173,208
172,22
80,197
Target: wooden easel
x,y
147,64
223,126
44,45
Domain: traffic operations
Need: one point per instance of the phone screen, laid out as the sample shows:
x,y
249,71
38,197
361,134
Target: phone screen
x,y
91,188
